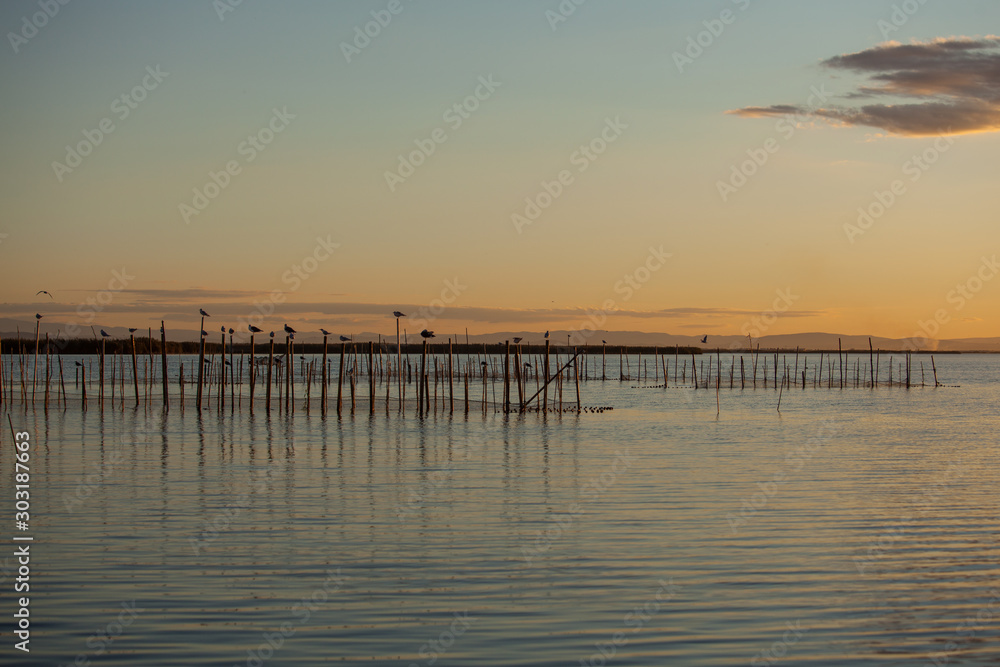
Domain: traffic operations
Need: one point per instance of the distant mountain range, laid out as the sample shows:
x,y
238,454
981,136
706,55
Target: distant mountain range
x,y
805,341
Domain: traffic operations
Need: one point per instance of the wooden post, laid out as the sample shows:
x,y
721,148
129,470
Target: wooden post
x,y
201,363
323,392
222,372
576,374
451,379
934,366
506,378
545,389
135,369
340,379
163,359
371,378
100,388
604,360
421,387
399,368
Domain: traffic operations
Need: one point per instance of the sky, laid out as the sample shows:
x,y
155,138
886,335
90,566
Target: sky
x,y
681,167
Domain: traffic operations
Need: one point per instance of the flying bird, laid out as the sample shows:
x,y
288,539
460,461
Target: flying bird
x,y
398,314
289,330
345,339
704,339
203,313
324,331
254,329
41,291
427,334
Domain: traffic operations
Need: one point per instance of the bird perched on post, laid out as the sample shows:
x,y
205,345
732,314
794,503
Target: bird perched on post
x,y
517,340
204,333
396,313
345,339
131,330
203,313
37,316
272,334
223,329
105,334
324,331
427,334
254,329
289,330
231,331
546,334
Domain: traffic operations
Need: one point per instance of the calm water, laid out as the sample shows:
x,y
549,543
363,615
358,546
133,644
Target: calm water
x,y
855,527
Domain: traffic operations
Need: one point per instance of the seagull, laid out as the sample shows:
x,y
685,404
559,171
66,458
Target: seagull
x,y
203,313
231,331
324,331
272,334
289,330
517,340
398,314
427,334
546,334
78,363
704,339
131,330
254,329
41,291
37,316
605,342
105,333
204,333
527,365
345,339
223,329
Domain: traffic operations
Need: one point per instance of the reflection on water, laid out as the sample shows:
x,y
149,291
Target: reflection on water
x,y
853,527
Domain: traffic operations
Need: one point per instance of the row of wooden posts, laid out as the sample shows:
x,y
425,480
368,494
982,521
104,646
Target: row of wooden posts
x,y
280,371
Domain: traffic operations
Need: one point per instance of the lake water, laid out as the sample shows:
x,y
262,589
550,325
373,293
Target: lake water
x,y
856,526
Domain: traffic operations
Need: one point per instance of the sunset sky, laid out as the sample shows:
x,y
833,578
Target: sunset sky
x,y
183,155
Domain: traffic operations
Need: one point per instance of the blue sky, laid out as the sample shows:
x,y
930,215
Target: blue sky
x,y
324,175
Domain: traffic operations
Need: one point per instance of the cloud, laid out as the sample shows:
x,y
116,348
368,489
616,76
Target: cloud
x,y
941,87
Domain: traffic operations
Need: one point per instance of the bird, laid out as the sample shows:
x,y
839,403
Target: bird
x,y
272,334
41,291
704,339
228,363
289,330
231,331
223,329
398,314
38,316
605,342
131,330
105,334
291,336
546,334
254,329
78,363
527,365
203,313
427,334
345,339
517,340
204,333
324,331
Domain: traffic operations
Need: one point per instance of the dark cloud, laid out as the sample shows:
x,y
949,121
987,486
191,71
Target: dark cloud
x,y
946,86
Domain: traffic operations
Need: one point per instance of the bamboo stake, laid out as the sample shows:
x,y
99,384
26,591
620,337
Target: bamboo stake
x,y
201,363
371,378
340,379
323,392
